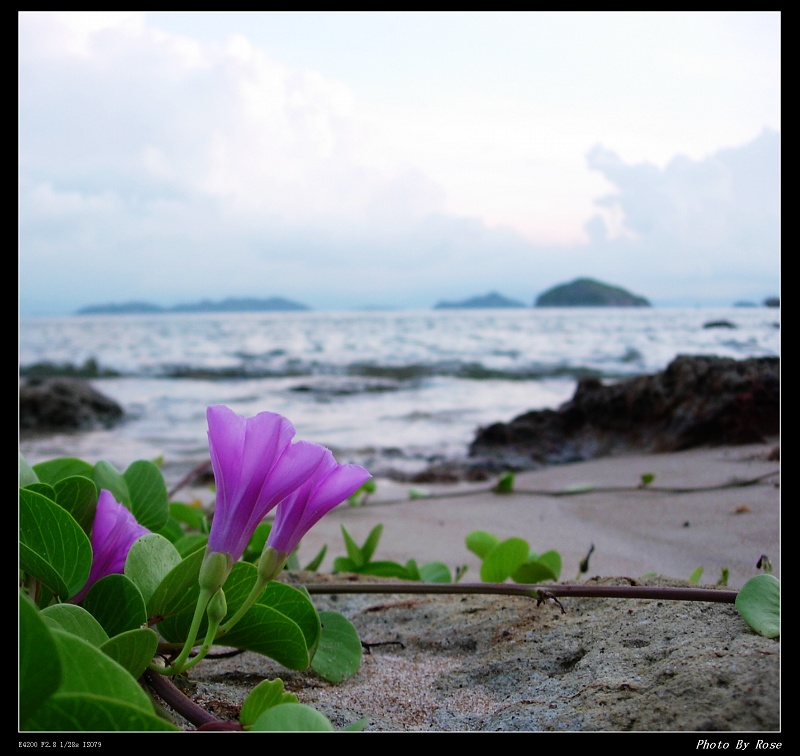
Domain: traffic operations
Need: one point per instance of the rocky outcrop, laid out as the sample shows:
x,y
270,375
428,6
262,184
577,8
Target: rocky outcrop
x,y
65,404
719,324
586,292
696,401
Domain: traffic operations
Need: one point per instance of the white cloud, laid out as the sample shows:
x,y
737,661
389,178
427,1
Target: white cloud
x,y
713,204
172,168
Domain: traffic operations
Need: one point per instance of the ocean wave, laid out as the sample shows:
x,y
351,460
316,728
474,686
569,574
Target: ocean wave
x,y
376,376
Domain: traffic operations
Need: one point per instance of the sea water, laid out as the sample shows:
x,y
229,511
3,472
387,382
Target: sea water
x,y
392,390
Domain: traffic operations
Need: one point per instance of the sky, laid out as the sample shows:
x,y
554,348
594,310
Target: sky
x,y
397,158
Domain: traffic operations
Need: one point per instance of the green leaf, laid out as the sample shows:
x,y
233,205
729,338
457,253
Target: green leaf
x,y
343,564
647,479
338,656
503,560
54,470
150,559
190,543
266,694
292,717
360,495
45,489
38,567
266,631
412,570
173,531
39,662
480,543
353,550
76,620
357,726
133,649
86,712
107,477
78,495
697,573
759,603
506,484
178,590
148,496
67,684
116,603
141,489
435,572
53,547
314,564
384,569
297,605
368,549
553,560
88,670
194,517
534,571
239,583
293,604
257,542
26,474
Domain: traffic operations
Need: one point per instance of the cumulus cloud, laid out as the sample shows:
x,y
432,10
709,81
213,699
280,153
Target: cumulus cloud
x,y
140,110
717,218
705,203
155,167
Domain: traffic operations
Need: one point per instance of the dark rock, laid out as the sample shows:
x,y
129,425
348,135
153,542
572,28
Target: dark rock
x,y
719,324
772,302
586,292
696,401
65,404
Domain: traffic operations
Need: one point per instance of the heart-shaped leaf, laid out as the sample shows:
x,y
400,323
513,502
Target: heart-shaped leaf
x,y
53,547
338,656
759,603
503,560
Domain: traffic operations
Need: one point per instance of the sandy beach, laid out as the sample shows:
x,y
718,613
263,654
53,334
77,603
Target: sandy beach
x,y
444,663
715,508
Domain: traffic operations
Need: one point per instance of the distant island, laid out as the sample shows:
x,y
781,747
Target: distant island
x,y
491,300
586,292
271,304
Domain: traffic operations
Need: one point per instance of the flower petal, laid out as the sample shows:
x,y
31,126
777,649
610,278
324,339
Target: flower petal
x,y
255,466
299,512
113,533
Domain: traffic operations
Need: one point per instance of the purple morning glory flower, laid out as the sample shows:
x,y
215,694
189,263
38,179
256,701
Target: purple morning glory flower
x,y
329,485
113,533
256,464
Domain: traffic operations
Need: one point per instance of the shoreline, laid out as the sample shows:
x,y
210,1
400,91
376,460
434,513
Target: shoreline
x,y
695,513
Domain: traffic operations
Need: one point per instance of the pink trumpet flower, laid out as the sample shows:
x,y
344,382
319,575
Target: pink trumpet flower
x,y
113,533
256,465
329,486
